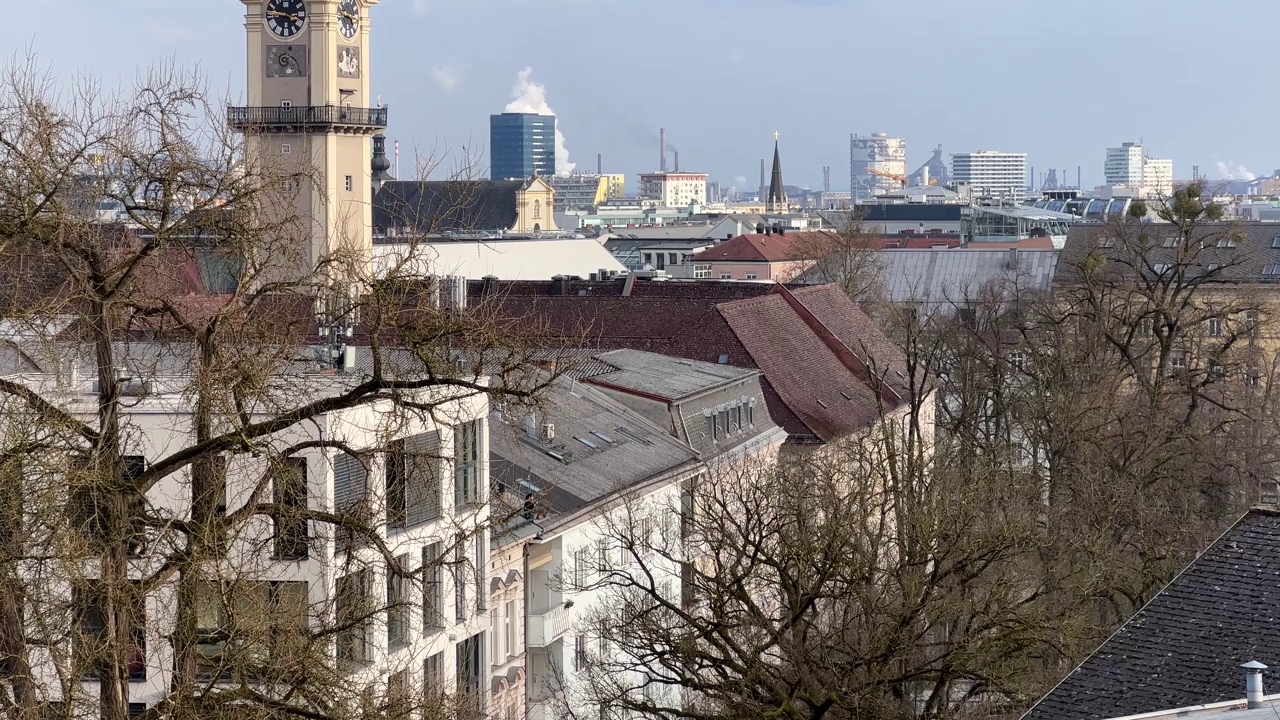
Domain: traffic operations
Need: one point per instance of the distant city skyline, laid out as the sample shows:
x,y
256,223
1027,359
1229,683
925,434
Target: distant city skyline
x,y
1061,85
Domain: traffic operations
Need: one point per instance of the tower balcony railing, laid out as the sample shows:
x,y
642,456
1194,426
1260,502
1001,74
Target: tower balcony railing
x,y
305,117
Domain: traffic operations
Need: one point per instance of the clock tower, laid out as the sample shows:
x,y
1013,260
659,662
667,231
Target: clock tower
x,y
310,120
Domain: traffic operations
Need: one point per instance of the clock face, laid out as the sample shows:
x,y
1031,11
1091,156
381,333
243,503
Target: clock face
x,y
349,18
286,17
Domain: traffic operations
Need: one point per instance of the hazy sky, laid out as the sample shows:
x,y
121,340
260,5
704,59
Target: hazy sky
x,y
1058,81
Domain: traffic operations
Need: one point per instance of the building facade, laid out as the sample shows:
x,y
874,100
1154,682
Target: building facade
x,y
1128,166
582,192
674,189
881,154
521,145
992,174
284,584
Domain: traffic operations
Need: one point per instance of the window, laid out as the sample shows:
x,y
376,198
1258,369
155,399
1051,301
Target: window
x,y
722,423
1271,269
352,607
751,413
289,486
459,578
644,535
673,259
1275,242
349,183
398,704
432,588
481,562
581,568
397,606
90,646
726,276
286,104
413,481
466,464
88,513
1178,361
1172,242
350,491
702,272
750,276
1017,359
468,653
580,653
433,679
1212,267
1213,326
512,628
1253,378
648,258
603,564
1106,242
249,625
1226,242
734,420
602,629
1251,322
1161,268
289,186
286,149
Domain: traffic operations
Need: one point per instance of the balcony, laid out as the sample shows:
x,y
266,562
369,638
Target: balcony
x,y
550,626
306,119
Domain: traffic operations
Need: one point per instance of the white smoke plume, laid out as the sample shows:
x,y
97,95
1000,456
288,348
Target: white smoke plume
x,y
530,97
1228,171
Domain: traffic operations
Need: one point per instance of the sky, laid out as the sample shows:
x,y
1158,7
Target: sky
x,y
1061,82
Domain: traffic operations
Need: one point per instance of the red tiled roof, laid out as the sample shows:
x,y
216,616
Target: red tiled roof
x,y
818,357
761,248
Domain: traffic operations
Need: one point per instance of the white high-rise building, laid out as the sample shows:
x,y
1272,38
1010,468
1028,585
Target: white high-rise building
x,y
1124,165
1128,166
992,174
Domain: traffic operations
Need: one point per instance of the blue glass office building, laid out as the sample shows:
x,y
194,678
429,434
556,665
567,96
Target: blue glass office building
x,y
521,144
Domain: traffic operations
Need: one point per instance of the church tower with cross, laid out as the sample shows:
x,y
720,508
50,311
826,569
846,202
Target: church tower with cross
x,y
776,201
309,124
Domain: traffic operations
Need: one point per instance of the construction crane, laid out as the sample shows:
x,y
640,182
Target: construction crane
x,y
894,176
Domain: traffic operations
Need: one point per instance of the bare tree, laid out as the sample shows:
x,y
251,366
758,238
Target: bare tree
x,y
167,387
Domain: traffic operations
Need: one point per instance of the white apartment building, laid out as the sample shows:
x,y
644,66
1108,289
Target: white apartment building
x,y
1128,166
593,480
674,189
992,174
421,488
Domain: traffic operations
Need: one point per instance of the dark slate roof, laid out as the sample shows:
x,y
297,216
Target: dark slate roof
x,y
812,345
622,449
446,206
1185,647
1241,250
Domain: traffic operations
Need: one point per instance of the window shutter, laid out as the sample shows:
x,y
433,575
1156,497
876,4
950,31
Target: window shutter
x,y
422,459
350,482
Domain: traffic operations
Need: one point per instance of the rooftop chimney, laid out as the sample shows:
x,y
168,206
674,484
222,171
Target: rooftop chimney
x,y
677,161
662,142
1253,683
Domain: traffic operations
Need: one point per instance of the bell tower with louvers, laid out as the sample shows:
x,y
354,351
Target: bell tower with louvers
x,y
310,119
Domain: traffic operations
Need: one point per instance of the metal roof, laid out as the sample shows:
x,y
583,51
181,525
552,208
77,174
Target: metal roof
x,y
665,376
506,259
955,275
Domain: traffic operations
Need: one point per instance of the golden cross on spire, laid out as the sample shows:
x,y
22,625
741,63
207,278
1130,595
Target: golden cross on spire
x,y
776,135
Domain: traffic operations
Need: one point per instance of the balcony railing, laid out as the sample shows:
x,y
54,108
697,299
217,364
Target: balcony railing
x,y
550,626
314,116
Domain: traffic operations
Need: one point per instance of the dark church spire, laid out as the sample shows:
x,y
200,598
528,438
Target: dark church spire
x,y
777,199
381,164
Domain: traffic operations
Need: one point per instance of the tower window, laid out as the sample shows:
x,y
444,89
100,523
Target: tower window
x,y
286,149
349,183
286,104
289,186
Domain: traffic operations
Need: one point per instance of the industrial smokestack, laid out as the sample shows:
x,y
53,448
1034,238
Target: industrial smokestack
x,y
1253,683
599,163
677,161
763,192
662,142
1033,179
1079,178
826,179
